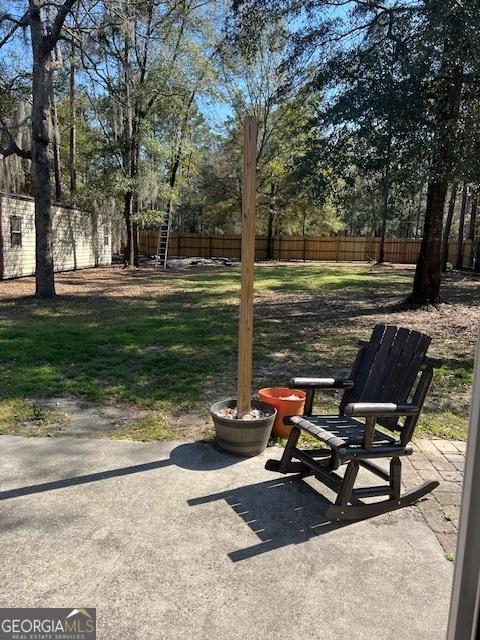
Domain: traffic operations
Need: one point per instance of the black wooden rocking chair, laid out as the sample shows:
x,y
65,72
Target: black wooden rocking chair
x,y
389,380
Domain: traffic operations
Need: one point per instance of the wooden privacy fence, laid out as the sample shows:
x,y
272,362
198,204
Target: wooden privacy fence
x,y
330,248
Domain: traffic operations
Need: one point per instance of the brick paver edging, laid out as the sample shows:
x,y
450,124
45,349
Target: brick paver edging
x,y
441,460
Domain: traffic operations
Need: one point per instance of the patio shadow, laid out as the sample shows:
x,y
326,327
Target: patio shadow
x,y
280,512
78,480
200,456
195,456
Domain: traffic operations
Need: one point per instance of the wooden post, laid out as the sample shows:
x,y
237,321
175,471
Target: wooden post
x,y
245,334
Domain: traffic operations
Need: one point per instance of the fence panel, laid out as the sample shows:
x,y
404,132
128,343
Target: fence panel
x,y
226,246
323,248
467,252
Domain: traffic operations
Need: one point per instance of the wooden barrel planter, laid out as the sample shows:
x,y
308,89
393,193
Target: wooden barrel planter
x,y
242,437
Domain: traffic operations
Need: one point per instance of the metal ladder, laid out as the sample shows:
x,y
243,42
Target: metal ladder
x,y
162,245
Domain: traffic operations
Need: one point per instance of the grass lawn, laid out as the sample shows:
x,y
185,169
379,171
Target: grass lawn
x,y
167,342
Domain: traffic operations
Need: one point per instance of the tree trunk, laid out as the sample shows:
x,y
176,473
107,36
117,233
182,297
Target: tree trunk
x,y
55,140
269,253
130,161
428,274
386,197
476,264
44,269
271,218
177,157
54,63
130,256
381,253
73,127
173,176
130,253
134,234
473,215
135,151
472,232
419,211
448,226
461,226
426,284
410,214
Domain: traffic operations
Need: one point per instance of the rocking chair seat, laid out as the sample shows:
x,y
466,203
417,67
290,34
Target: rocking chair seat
x,y
339,431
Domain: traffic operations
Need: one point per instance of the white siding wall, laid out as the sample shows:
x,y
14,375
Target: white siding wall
x,y
78,238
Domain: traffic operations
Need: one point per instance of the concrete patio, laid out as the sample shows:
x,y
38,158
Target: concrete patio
x,y
178,541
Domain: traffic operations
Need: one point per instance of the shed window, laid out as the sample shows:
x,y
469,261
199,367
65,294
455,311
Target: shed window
x,y
16,231
106,239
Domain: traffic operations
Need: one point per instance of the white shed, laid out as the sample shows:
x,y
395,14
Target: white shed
x,y
80,239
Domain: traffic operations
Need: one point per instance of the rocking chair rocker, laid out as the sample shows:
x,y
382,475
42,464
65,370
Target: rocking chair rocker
x,y
389,380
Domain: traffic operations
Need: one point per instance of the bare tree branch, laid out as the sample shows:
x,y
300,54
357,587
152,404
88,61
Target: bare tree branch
x,y
12,149
52,38
16,24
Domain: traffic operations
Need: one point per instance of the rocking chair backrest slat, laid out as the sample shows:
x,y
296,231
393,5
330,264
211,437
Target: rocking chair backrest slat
x,y
387,368
380,366
397,360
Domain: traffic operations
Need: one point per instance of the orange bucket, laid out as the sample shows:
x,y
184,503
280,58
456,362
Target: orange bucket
x,y
287,402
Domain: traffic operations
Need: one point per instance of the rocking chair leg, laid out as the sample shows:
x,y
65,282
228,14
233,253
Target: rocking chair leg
x,y
395,477
347,512
349,478
285,464
288,451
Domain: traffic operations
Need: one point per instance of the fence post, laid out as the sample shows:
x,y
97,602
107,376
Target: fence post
x,y
304,248
337,249
178,245
209,246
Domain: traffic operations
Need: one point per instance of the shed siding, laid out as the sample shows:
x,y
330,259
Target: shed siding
x,y
80,239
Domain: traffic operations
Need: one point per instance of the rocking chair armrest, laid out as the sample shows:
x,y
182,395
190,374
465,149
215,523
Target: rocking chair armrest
x,y
380,409
321,383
